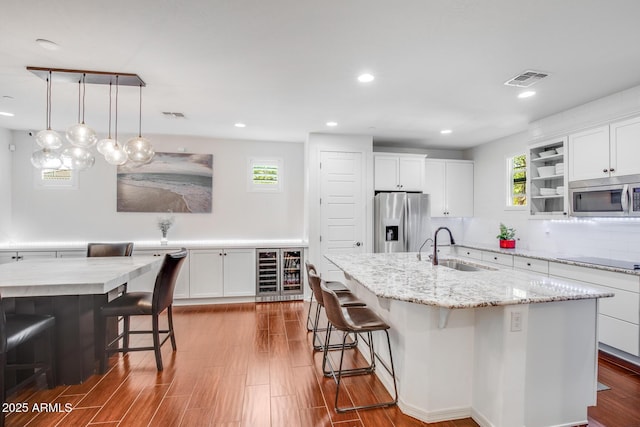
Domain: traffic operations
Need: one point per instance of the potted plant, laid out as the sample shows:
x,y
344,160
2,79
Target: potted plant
x,y
507,237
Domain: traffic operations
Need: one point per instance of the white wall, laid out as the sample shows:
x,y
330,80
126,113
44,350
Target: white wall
x,y
5,183
89,213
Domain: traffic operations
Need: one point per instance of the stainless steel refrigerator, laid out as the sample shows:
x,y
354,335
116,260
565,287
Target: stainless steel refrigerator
x,y
402,221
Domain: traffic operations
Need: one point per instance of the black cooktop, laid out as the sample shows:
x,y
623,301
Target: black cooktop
x,y
629,265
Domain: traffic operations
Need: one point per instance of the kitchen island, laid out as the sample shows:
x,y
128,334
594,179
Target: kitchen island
x,y
504,347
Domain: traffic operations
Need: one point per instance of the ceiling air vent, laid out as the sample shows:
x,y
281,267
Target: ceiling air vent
x,y
526,79
173,115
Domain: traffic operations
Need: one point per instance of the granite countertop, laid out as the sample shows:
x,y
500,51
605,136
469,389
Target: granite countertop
x,y
560,258
401,276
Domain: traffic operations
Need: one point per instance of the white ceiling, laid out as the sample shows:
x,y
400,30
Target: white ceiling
x,y
286,67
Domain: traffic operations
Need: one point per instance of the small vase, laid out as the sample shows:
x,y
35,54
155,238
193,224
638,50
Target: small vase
x,y
507,244
164,240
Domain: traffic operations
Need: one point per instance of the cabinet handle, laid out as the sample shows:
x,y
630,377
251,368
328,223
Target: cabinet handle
x,y
612,170
495,258
605,170
220,253
14,257
468,253
528,264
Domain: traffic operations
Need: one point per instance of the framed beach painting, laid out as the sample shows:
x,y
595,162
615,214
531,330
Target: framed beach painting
x,y
175,182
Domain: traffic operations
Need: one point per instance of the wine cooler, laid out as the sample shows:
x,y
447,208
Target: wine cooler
x,y
279,274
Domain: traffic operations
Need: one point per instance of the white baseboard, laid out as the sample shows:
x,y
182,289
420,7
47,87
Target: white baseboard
x,y
434,416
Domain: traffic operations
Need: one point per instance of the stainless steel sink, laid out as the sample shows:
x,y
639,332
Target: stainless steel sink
x,y
463,265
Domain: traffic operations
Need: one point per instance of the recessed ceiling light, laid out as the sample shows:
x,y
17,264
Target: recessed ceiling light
x,y
2,113
446,131
365,78
240,125
526,94
47,44
332,124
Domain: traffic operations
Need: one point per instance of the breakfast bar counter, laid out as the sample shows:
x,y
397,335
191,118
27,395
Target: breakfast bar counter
x,y
507,348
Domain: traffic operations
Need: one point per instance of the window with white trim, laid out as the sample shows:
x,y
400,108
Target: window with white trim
x,y
517,181
55,178
265,175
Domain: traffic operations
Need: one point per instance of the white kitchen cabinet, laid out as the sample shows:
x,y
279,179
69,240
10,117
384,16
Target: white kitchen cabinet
x,y
619,316
605,151
13,256
146,282
449,184
624,147
222,273
394,172
589,154
548,192
531,264
72,254
505,260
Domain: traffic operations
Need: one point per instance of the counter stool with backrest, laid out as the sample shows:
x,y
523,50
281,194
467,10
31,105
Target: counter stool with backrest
x,y
337,287
146,303
354,320
346,299
17,329
112,250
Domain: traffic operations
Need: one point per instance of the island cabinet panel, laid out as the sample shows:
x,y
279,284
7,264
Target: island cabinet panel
x,y
619,316
531,264
497,258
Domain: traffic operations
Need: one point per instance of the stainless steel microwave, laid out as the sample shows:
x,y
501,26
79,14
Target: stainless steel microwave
x,y
606,197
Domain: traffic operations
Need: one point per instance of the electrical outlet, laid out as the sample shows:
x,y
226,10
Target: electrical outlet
x,y
516,321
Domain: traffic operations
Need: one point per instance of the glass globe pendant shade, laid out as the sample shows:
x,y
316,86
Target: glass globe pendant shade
x,y
106,145
139,150
81,135
46,159
116,156
49,139
77,158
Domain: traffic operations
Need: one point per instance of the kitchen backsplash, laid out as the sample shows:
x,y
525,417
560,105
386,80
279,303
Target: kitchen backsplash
x,y
602,237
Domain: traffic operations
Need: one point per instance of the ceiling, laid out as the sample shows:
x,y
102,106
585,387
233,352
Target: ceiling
x,y
286,67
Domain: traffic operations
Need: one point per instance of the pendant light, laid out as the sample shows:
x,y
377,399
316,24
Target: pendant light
x,y
81,135
115,155
139,149
48,139
107,144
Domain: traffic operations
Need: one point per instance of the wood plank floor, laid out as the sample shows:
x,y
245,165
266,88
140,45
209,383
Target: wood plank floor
x,y
250,365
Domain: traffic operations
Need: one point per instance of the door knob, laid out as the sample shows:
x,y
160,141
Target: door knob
x,y
358,244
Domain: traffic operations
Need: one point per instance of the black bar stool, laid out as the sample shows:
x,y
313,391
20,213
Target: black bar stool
x,y
16,329
356,320
346,299
336,287
146,303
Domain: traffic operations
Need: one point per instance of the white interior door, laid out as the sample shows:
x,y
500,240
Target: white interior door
x,y
342,208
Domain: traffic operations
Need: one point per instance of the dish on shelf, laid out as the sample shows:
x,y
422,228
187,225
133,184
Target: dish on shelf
x,y
547,153
548,192
560,150
559,168
560,189
544,171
